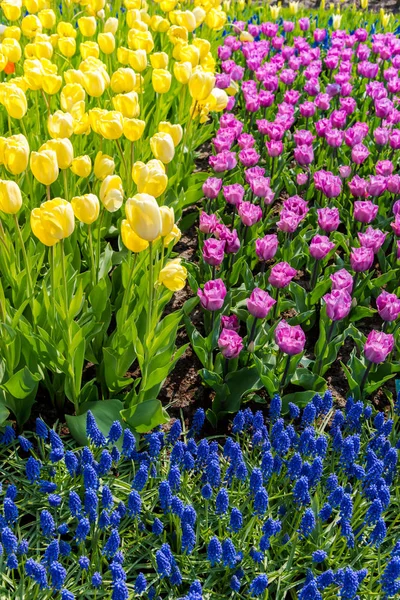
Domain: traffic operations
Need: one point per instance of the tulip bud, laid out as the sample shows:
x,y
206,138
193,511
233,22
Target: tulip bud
x,y
44,166
183,72
60,125
133,129
51,83
94,83
138,60
123,81
86,208
151,178
200,84
127,104
159,60
15,154
111,25
67,46
162,147
110,125
130,239
53,221
106,42
87,26
10,197
173,275
47,18
112,193
89,49
167,220
174,236
175,131
81,166
103,166
15,102
144,216
161,80
63,149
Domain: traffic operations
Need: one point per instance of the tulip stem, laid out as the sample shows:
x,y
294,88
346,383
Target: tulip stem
x,y
127,292
365,376
122,157
92,259
132,160
25,257
98,243
65,179
285,372
48,194
314,274
68,322
318,364
151,286
52,284
276,298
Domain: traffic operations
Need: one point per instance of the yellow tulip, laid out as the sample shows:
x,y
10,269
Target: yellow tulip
x,y
186,19
364,4
199,15
11,10
51,84
44,166
10,197
150,179
175,131
159,60
32,6
103,166
133,129
173,276
30,25
183,72
168,5
86,208
71,94
200,84
215,19
15,102
130,239
12,49
138,60
87,26
162,147
217,100
74,76
60,124
66,29
111,25
140,40
12,31
174,236
187,53
336,21
63,149
53,221
294,8
67,46
275,10
127,105
47,18
161,80
94,83
177,34
81,166
158,24
144,216
123,80
208,63
15,154
106,42
112,193
88,49
203,46
123,55
167,220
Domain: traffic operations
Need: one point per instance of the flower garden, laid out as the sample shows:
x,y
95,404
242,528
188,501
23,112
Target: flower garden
x,y
199,301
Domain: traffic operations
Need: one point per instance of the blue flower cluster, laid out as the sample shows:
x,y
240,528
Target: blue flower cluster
x,y
142,520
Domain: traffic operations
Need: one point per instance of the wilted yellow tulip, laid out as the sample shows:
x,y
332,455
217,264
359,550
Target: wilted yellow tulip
x,y
67,46
88,49
138,60
30,25
47,18
167,220
215,19
51,83
44,166
123,80
94,83
183,72
86,208
60,124
63,149
53,221
144,216
174,236
161,80
133,129
112,193
10,197
66,29
175,131
151,178
87,26
12,49
200,84
130,239
11,9
111,25
162,147
81,166
173,276
159,60
127,105
106,42
15,153
103,166
15,102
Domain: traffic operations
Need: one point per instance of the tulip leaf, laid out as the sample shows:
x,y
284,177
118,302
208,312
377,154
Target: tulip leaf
x,y
145,416
298,398
197,341
105,413
20,391
320,289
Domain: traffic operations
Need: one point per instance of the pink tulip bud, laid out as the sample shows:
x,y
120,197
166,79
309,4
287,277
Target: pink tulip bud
x,y
328,219
342,280
320,246
266,247
260,303
213,251
378,346
281,275
388,306
365,211
361,259
230,322
290,339
208,223
338,304
372,238
233,193
212,187
230,343
212,295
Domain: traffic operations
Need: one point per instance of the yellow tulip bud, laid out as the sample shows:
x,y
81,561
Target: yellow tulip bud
x,y
47,18
275,10
11,10
294,8
199,14
106,42
336,21
63,149
67,46
15,154
144,216
216,19
81,166
103,166
203,46
51,84
112,193
60,124
53,221
127,105
123,55
133,129
71,94
208,63
200,84
162,147
15,102
158,24
12,31
138,60
364,4
186,19
44,166
183,72
111,25
173,276
140,40
167,220
32,6
174,236
73,76
66,29
150,178
10,197
159,60
89,49
168,5
161,80
30,25
86,208
175,131
12,49
123,80
94,83
87,26
217,100
188,53
177,34
131,240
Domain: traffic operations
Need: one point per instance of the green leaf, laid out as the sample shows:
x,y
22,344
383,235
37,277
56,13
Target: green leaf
x,y
4,412
21,391
298,398
104,411
307,380
145,416
320,289
197,341
361,312
115,367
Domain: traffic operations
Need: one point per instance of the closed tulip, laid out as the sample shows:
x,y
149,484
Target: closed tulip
x,y
144,216
167,220
106,42
51,83
94,83
216,19
67,46
10,197
159,24
151,178
63,149
44,166
87,26
159,60
30,25
66,29
127,104
138,60
47,18
89,49
15,153
200,84
162,147
103,166
175,131
60,125
183,72
111,25
81,166
112,193
123,80
187,53
130,239
12,49
53,221
11,10
173,276
174,236
218,100
15,102
133,129
161,80
86,208
71,94
111,125
204,47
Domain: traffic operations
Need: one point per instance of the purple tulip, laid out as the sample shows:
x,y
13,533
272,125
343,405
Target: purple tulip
x,y
378,346
260,186
361,259
290,339
231,239
281,275
260,303
320,246
372,238
212,187
328,219
365,211
246,140
230,322
338,304
233,193
223,161
249,213
381,135
388,306
212,295
384,168
304,155
288,221
208,223
301,178
230,343
304,23
359,154
342,280
274,148
393,184
249,157
358,187
395,225
331,185
377,185
266,247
